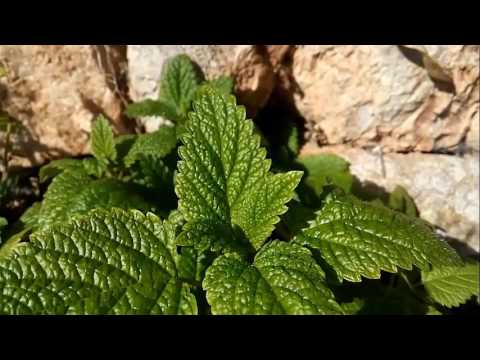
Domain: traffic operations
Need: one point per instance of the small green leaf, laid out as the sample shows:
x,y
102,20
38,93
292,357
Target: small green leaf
x,y
151,107
192,264
3,222
102,142
224,177
400,200
157,144
179,83
433,311
359,239
75,192
14,242
323,169
108,262
223,84
94,167
452,286
293,143
354,307
284,279
30,217
55,167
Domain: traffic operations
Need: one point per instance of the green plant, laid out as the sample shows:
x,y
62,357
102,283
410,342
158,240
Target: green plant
x,y
242,240
180,83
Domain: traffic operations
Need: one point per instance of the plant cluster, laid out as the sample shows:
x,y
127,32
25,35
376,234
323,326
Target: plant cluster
x,y
195,219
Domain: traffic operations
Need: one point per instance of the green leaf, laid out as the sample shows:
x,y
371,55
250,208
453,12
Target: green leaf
x,y
94,167
158,144
192,264
102,142
223,84
399,200
55,167
3,72
108,262
359,239
179,83
433,311
3,222
354,307
284,279
151,107
452,286
293,143
30,217
75,192
224,177
323,169
14,242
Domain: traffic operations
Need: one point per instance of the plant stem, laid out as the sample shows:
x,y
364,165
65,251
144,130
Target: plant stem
x,y
6,151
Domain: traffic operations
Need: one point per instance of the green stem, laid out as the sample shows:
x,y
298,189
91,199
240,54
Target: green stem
x,y
6,151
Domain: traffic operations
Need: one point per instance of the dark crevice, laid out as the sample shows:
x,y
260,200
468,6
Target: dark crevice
x,y
418,58
276,117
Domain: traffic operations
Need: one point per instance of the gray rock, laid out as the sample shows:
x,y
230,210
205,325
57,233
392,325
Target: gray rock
x,y
445,188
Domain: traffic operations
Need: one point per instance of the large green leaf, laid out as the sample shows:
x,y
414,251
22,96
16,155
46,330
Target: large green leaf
x,y
108,262
284,279
75,192
452,286
360,239
224,176
102,142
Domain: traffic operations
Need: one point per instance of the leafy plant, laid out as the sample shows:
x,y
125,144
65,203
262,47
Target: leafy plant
x,y
244,238
181,81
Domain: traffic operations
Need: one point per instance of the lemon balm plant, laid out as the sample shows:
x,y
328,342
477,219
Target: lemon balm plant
x,y
108,239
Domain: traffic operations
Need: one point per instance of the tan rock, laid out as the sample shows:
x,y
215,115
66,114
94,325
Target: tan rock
x,y
380,94
55,91
445,188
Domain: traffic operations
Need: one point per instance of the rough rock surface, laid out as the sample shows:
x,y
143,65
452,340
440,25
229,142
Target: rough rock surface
x,y
371,94
253,73
55,92
445,188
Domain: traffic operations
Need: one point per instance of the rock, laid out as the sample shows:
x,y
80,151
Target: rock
x,y
253,73
445,188
55,92
473,136
382,94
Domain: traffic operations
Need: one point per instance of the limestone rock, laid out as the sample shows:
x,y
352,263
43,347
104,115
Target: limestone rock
x,y
382,94
445,188
55,91
253,73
